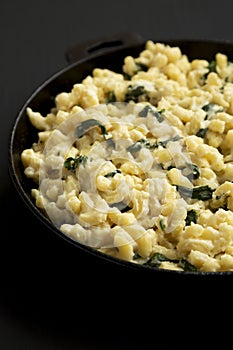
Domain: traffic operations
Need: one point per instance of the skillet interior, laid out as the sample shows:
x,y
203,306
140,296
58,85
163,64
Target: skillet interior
x,y
23,134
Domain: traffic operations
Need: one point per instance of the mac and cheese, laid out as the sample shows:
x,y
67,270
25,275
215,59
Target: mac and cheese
x,y
139,164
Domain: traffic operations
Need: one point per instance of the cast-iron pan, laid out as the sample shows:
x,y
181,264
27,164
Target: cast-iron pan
x,y
83,58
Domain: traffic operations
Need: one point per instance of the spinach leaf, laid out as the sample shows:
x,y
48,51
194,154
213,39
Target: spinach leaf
x,y
137,146
88,124
211,68
135,92
162,225
211,109
208,107
140,67
112,173
194,174
157,259
71,163
191,217
187,266
172,139
200,192
143,113
157,114
111,97
136,256
202,132
222,200
121,206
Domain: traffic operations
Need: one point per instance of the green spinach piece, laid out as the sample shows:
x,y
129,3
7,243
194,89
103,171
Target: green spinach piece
x,y
200,192
88,124
136,256
71,163
202,132
157,259
157,114
137,146
162,225
172,139
187,266
112,173
135,92
121,206
141,67
194,174
111,97
191,217
211,109
211,68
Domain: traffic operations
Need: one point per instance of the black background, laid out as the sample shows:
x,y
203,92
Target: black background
x,y
51,296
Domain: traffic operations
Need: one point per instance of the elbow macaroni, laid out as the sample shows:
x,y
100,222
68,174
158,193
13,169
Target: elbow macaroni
x,y
148,176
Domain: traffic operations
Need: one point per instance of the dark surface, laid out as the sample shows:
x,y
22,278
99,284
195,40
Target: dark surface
x,y
51,296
